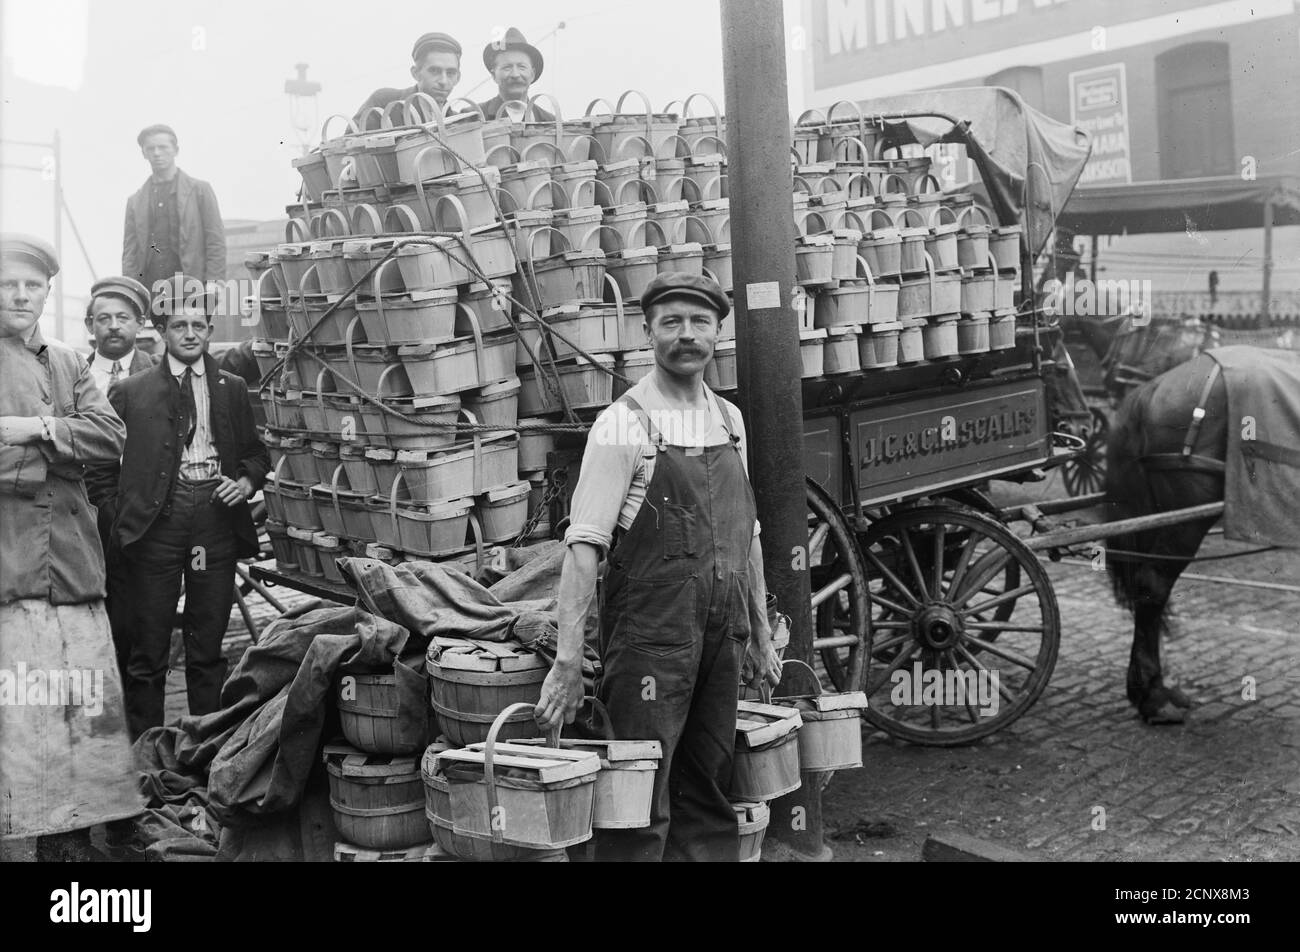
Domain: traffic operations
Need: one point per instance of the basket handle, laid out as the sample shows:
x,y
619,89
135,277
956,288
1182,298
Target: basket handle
x,y
538,231
816,681
476,435
708,233
556,150
897,179
365,126
334,214
830,113
487,159
413,119
647,152
808,114
864,154
939,211
383,378
334,491
476,527
462,214
709,137
296,226
471,103
618,296
489,757
607,725
993,263
376,290
869,189
276,474
392,501
850,213
927,177
602,228
686,106
404,216
684,150
351,127
600,100
420,157
975,208
364,214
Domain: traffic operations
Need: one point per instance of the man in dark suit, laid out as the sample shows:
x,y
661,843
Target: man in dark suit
x,y
515,65
173,224
114,316
191,463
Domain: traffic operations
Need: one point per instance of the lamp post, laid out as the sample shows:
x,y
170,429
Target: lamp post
x,y
303,111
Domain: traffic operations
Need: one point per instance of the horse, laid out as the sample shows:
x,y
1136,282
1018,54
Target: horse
x,y
1158,460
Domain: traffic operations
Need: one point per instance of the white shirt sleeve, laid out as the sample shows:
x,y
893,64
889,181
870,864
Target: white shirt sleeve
x,y
610,463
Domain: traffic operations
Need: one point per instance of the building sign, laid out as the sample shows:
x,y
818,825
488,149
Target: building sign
x,y
1099,106
853,41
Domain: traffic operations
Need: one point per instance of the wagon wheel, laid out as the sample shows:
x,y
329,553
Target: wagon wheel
x,y
839,587
943,669
1086,473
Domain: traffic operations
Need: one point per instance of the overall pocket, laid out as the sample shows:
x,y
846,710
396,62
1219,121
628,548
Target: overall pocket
x,y
679,531
661,615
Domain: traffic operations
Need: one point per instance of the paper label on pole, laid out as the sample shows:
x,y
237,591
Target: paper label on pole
x,y
763,295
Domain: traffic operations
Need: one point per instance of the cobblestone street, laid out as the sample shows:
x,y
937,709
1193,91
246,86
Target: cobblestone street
x,y
1224,786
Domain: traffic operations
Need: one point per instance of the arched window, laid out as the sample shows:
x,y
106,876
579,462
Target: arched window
x,y
1027,81
1194,99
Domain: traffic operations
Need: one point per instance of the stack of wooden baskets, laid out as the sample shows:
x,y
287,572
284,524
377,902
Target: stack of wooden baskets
x,y
778,740
376,792
500,267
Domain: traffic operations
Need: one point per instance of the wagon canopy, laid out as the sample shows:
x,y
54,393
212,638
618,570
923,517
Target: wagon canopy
x,y
1203,204
1029,162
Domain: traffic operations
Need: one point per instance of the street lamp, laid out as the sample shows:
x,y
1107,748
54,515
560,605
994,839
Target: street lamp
x,y
302,105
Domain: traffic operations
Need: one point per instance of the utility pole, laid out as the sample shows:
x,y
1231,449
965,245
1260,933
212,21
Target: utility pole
x,y
58,236
767,348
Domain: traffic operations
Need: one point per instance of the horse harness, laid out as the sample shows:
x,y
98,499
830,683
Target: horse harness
x,y
1186,459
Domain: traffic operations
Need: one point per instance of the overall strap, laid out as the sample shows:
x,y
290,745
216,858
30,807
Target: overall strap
x,y
656,438
725,416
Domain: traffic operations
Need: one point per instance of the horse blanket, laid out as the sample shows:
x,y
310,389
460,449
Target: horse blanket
x,y
1262,469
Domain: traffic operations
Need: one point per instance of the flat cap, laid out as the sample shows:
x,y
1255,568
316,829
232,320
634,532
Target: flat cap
x,y
674,284
128,289
29,248
434,41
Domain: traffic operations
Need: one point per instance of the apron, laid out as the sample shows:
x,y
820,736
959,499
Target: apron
x,y
674,625
65,761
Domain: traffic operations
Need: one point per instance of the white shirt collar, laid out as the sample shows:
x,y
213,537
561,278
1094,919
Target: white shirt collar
x,y
100,362
178,369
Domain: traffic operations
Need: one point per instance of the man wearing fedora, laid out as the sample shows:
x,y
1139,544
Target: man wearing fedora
x,y
114,317
180,505
435,67
515,64
65,760
173,224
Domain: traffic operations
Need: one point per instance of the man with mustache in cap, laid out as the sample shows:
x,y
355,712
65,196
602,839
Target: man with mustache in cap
x,y
515,65
65,759
435,67
663,493
116,313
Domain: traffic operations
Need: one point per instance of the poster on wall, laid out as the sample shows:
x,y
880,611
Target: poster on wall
x,y
1099,106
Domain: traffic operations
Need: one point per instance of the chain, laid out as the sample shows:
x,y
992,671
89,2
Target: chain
x,y
552,491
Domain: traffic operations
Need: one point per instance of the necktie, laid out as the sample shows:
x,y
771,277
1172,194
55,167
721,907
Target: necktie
x,y
189,411
115,372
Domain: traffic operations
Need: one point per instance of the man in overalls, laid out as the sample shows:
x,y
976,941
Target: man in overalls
x,y
664,491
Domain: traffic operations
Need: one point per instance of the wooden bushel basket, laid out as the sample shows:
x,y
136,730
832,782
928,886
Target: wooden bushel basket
x,y
831,735
767,752
377,801
437,810
370,717
470,681
545,801
751,823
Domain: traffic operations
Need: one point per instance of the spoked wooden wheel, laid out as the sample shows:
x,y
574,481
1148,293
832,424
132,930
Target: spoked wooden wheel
x,y
962,642
1086,473
839,591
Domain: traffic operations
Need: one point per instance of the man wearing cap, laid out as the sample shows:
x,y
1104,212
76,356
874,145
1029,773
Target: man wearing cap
x,y
192,461
515,65
114,316
435,67
65,759
173,224
664,495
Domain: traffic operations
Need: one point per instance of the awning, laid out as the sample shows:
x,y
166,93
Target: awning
x,y
1197,204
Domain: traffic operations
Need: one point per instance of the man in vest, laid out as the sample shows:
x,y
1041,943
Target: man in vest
x,y
663,492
